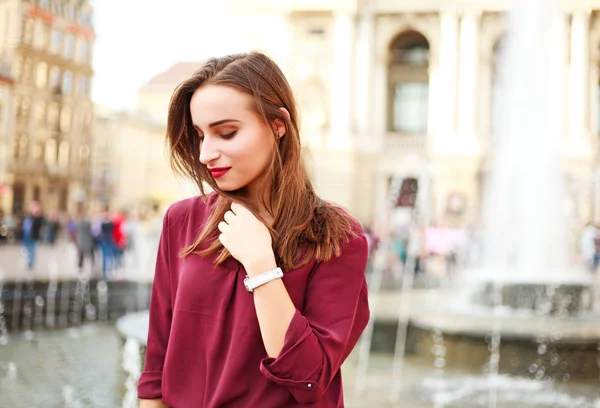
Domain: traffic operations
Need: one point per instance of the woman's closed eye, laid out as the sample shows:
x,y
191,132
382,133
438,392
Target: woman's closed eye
x,y
226,136
229,135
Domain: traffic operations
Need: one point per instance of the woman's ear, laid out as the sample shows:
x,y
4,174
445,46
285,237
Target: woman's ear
x,y
280,125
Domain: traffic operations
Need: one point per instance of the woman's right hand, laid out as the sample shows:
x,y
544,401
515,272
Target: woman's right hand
x,y
154,403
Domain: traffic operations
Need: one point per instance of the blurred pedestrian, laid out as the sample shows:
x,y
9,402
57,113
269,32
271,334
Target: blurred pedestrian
x,y
84,239
31,228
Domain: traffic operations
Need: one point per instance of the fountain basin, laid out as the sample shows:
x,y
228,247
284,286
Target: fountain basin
x,y
570,299
440,330
33,304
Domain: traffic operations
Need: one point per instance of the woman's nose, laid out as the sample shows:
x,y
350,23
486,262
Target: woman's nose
x,y
208,151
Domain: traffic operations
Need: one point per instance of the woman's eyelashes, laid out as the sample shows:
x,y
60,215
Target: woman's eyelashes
x,y
229,135
225,136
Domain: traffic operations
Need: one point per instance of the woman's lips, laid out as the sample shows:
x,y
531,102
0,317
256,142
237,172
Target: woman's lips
x,y
218,172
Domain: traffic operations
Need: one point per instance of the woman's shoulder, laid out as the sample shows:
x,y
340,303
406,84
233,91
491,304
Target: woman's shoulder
x,y
194,207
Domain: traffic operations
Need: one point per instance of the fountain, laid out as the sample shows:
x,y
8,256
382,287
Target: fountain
x,y
524,319
526,255
528,296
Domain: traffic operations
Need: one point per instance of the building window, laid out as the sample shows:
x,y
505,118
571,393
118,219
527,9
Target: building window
x,y
69,46
27,70
57,38
21,147
40,114
69,12
65,119
410,108
43,41
22,106
28,31
38,151
18,67
50,152
55,80
83,87
84,155
41,76
55,7
67,83
53,115
83,52
85,18
408,86
44,4
63,154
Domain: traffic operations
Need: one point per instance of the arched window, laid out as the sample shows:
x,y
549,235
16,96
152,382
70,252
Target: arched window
x,y
408,88
498,88
41,77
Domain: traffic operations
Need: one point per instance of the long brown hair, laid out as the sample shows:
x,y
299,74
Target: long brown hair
x,y
304,226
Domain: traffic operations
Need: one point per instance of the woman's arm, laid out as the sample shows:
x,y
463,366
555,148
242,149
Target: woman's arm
x,y
307,349
274,309
150,382
154,403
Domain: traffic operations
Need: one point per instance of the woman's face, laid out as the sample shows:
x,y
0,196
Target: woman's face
x,y
236,144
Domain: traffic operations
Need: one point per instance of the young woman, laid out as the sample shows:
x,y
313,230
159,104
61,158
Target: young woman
x,y
259,292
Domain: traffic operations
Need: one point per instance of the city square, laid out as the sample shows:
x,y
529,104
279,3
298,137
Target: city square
x,y
462,136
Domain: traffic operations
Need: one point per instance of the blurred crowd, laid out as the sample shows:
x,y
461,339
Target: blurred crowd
x,y
103,242
435,250
441,250
590,246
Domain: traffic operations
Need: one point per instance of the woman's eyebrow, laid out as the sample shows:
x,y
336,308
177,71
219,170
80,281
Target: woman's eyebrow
x,y
217,123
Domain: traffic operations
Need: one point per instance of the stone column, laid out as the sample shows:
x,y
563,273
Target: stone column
x,y
341,81
364,76
580,27
593,98
468,76
380,109
446,105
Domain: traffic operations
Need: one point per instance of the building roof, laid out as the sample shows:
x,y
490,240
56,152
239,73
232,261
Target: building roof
x,y
173,76
4,79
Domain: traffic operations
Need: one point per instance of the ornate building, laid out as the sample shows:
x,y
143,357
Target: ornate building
x,y
393,93
47,46
130,164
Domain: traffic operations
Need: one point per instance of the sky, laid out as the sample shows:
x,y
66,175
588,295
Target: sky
x,y
138,39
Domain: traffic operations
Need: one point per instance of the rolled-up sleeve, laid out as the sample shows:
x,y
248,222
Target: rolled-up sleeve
x,y
319,340
150,382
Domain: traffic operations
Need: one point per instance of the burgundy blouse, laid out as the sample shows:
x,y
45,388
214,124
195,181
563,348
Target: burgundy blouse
x,y
204,343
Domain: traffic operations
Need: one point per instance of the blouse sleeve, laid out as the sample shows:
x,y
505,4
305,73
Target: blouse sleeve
x,y
150,382
318,340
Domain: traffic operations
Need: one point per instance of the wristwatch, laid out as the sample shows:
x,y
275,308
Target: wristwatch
x,y
254,282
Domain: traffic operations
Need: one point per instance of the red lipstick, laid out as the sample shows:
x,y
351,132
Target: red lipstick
x,y
217,172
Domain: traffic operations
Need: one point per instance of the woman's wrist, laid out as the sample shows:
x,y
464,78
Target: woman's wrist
x,y
260,265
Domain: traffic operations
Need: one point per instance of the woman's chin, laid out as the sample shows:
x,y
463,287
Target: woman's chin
x,y
227,187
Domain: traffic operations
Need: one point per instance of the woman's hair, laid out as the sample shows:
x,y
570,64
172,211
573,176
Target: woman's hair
x,y
304,226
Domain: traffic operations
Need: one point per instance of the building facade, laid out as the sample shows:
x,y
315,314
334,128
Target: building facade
x,y
393,94
130,161
130,166
47,45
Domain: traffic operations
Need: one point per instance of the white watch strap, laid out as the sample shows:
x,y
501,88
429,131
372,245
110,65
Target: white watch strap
x,y
258,280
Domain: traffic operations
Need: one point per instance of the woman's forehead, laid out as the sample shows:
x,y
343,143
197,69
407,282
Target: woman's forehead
x,y
211,103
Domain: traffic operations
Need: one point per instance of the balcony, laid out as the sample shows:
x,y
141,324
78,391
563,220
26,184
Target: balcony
x,y
397,142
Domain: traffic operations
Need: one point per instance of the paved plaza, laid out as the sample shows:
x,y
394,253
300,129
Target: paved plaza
x,y
60,262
